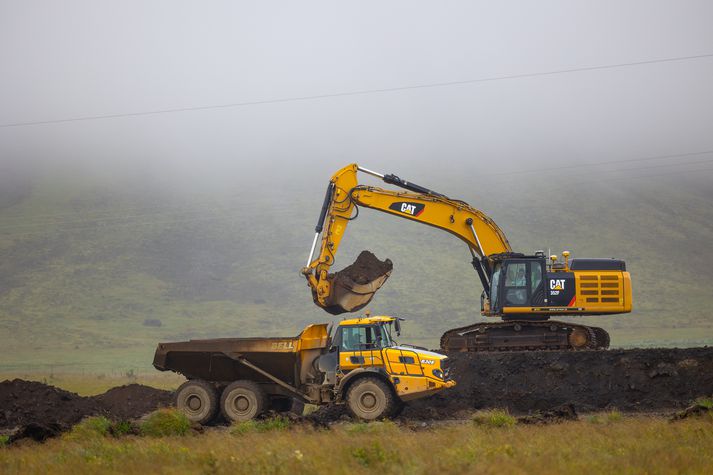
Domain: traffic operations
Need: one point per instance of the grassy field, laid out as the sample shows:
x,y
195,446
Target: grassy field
x,y
90,269
604,443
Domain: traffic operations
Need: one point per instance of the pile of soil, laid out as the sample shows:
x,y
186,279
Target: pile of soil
x,y
29,404
527,382
366,268
24,402
132,401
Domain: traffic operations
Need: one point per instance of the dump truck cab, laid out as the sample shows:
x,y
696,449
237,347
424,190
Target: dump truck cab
x,y
359,364
366,347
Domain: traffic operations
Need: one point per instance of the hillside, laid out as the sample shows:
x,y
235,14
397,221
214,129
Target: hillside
x,y
90,266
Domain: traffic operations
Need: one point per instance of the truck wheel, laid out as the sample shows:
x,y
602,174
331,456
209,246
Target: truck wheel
x,y
198,400
370,399
242,400
398,408
281,404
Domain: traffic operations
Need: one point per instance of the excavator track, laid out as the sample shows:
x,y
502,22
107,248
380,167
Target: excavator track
x,y
524,335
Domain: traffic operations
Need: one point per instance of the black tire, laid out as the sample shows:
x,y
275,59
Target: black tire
x,y
281,404
198,400
370,399
398,408
242,400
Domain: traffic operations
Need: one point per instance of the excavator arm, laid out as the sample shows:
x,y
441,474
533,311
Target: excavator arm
x,y
345,196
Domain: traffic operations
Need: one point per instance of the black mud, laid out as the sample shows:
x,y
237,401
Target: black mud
x,y
43,411
528,382
365,269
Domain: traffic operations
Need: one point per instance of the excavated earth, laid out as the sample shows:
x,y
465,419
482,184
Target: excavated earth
x,y
544,385
645,380
37,410
365,268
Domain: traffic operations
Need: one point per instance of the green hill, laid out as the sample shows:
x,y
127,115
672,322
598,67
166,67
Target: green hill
x,y
92,266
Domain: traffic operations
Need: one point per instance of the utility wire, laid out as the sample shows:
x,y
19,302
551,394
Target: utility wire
x,y
608,162
356,93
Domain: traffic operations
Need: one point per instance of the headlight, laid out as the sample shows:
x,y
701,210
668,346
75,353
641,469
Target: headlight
x,y
438,373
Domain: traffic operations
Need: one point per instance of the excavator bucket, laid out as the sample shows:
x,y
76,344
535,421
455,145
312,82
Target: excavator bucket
x,y
353,287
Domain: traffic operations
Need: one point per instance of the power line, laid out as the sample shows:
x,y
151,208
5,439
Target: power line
x,y
608,162
650,175
356,93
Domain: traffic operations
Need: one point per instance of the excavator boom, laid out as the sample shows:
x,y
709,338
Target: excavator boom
x,y
338,293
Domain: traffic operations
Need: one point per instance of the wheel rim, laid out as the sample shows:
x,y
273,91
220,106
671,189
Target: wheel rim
x,y
368,401
241,404
194,403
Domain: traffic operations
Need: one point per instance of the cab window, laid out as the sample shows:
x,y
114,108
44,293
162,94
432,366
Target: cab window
x,y
360,338
535,275
495,280
516,284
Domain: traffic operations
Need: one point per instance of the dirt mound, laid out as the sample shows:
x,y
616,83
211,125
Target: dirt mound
x,y
132,401
563,413
24,402
527,382
38,408
696,410
366,268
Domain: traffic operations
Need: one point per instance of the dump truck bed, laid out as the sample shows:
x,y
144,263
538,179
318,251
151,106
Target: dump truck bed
x,y
219,359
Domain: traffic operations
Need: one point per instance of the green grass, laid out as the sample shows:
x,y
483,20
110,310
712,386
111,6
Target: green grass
x,y
639,444
277,423
85,265
494,418
90,428
164,423
706,402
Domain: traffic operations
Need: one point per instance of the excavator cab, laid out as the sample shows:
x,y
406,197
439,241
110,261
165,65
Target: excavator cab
x,y
517,283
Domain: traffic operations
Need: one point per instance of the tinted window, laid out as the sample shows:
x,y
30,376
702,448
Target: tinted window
x,y
535,275
516,284
361,338
494,288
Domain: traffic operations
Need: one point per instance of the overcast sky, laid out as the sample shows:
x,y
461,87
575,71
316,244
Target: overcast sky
x,y
69,59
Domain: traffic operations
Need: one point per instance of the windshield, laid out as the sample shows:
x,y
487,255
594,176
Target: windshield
x,y
386,331
365,337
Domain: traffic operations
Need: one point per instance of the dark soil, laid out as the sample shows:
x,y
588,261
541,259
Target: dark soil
x,y
41,411
528,382
366,268
566,412
541,387
132,401
24,402
696,410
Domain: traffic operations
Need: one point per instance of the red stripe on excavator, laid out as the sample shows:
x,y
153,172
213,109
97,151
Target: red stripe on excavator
x,y
571,302
419,213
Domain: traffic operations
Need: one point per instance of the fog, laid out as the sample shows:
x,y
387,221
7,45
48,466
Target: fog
x,y
78,59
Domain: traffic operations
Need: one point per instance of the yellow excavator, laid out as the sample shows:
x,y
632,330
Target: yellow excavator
x,y
524,291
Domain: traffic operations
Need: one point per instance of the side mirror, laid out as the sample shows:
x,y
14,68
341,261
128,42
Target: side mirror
x,y
397,327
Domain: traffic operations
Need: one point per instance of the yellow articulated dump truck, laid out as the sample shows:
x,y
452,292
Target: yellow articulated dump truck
x,y
359,365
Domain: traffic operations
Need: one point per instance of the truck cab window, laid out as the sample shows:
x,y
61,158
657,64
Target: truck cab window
x,y
361,338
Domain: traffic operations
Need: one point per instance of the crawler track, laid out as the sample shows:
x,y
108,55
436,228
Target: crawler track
x,y
524,335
